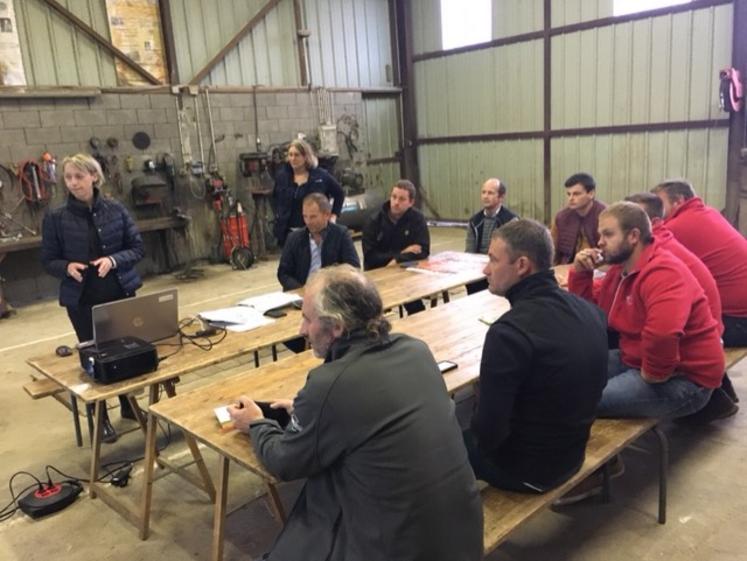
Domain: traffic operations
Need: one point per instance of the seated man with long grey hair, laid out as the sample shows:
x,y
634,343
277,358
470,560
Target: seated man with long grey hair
x,y
376,436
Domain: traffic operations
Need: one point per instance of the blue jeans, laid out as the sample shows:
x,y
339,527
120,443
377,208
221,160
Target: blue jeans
x,y
629,395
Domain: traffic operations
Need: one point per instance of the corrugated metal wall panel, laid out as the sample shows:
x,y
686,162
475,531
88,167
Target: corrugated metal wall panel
x,y
266,56
575,11
452,175
381,177
55,53
349,44
629,163
512,17
653,70
486,91
426,26
381,127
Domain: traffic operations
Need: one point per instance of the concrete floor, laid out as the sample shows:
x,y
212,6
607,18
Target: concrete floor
x,y
707,496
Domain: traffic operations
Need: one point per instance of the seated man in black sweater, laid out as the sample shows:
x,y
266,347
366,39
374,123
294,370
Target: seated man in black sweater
x,y
396,234
544,365
320,244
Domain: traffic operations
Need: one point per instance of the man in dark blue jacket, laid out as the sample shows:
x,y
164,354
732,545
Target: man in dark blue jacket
x,y
320,244
544,365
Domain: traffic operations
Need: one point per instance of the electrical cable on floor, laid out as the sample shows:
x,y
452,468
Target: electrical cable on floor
x,y
117,473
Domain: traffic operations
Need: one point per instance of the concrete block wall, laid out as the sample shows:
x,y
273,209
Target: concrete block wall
x,y
64,126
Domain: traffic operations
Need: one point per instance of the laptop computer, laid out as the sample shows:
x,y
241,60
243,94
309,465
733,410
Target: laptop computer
x,y
150,317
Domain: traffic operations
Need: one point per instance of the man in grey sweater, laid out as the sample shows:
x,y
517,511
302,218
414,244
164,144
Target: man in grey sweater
x,y
375,434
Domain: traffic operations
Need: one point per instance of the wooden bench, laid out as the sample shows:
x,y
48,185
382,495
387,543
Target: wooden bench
x,y
504,511
733,356
45,387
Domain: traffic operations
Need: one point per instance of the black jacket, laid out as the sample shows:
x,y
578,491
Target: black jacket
x,y
375,434
476,223
384,240
295,261
65,238
543,369
288,198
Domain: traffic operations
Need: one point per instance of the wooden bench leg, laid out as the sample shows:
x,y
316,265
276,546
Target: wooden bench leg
x,y
445,295
276,503
76,419
663,471
606,482
256,359
274,353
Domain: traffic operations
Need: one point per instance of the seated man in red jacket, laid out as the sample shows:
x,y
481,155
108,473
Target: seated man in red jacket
x,y
722,403
670,357
722,249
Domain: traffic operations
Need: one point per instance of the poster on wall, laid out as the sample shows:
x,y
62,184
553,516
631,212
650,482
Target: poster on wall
x,y
135,27
11,63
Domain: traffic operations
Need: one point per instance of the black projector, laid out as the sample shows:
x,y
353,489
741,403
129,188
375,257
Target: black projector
x,y
119,359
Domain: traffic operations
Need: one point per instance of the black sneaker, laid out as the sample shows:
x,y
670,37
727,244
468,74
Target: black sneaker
x,y
720,406
729,389
109,435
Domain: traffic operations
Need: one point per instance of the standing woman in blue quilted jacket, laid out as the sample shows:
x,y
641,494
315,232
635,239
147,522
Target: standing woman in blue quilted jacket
x,y
92,244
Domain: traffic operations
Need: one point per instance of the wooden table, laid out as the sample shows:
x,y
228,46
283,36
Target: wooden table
x,y
192,412
67,372
397,286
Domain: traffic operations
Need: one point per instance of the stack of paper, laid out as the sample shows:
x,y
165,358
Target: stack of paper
x,y
271,301
237,318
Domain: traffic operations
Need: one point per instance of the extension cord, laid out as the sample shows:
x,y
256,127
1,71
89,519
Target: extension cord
x,y
49,498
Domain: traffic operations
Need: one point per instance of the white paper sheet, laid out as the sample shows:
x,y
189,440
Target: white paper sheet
x,y
271,301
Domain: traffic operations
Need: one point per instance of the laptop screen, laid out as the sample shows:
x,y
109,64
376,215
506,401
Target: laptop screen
x,y
149,317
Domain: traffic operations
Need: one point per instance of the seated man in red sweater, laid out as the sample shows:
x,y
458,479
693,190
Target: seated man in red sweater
x,y
723,401
722,249
670,357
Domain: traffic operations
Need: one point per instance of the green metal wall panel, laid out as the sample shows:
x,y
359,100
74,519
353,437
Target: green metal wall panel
x,y
453,173
512,17
55,53
426,26
486,91
654,70
381,127
350,43
381,177
266,56
575,11
629,163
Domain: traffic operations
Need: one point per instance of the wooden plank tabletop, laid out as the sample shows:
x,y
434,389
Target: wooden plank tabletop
x,y
462,343
396,285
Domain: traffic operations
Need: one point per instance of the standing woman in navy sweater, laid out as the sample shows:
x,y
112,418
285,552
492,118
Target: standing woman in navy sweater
x,y
297,178
92,245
